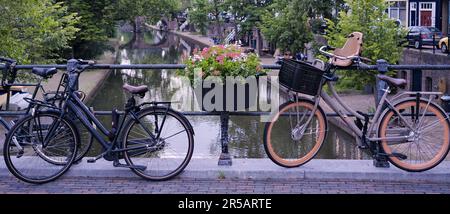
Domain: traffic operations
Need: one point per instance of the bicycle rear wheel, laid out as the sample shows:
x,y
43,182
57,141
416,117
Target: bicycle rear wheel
x,y
427,133
291,142
29,159
158,158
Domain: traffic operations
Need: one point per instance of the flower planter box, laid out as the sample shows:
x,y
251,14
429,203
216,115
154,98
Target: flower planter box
x,y
241,92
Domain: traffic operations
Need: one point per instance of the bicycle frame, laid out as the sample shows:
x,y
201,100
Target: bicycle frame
x,y
340,107
37,86
73,103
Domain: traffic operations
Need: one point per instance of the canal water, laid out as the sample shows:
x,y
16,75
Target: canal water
x,y
245,132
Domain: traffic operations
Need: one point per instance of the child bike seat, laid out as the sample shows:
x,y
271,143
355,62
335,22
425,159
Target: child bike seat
x,y
352,47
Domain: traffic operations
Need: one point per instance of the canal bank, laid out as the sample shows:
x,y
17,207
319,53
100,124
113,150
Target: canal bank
x,y
204,40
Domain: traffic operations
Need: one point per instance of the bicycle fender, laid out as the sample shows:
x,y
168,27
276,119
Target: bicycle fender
x,y
183,117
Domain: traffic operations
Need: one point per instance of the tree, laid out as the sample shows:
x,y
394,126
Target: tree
x,y
324,8
151,10
381,35
284,23
35,31
216,11
205,12
198,15
247,14
96,25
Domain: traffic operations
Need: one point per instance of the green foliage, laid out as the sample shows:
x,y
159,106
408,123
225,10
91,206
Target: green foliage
x,y
203,13
198,15
152,10
382,37
284,23
35,31
96,25
247,14
323,8
221,61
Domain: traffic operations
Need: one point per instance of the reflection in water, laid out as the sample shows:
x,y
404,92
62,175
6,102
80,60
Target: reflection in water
x,y
245,132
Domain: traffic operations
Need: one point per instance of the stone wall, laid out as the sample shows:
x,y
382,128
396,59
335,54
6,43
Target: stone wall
x,y
434,80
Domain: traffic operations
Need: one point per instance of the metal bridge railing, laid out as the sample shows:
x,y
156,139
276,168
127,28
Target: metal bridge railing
x,y
225,159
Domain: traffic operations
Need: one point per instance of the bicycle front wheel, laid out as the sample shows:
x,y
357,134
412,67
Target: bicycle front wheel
x,y
425,133
29,158
159,145
295,134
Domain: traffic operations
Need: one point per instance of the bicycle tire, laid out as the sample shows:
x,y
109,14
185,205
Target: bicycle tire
x,y
183,158
281,151
388,122
9,146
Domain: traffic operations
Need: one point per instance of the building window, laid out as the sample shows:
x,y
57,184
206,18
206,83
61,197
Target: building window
x,y
413,14
428,84
397,11
426,6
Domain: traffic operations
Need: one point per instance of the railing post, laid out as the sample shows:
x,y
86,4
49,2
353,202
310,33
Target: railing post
x,y
225,158
434,43
380,85
382,65
416,78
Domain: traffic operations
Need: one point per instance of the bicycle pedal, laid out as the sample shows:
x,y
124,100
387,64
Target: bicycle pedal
x,y
93,160
20,154
138,167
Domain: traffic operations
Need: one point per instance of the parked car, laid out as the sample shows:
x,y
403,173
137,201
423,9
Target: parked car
x,y
443,45
420,35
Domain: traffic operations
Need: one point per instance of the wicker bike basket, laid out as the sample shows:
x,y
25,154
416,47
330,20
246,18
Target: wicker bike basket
x,y
300,77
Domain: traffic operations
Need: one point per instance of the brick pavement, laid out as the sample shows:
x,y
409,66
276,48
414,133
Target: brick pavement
x,y
219,186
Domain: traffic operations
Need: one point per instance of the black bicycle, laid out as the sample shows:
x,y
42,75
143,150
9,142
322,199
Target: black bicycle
x,y
155,141
9,86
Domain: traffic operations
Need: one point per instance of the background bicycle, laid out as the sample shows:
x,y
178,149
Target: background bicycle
x,y
155,141
409,129
13,95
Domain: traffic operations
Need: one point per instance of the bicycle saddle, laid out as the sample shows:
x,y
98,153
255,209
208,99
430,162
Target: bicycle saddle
x,y
393,81
44,72
352,47
141,90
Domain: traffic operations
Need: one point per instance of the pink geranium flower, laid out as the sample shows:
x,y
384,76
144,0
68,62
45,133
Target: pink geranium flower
x,y
220,59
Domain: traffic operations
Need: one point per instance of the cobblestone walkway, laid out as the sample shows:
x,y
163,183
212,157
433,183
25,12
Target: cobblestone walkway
x,y
225,186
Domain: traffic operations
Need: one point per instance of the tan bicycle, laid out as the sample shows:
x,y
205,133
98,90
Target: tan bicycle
x,y
409,129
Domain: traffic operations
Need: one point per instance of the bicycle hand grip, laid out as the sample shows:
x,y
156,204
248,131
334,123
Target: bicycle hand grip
x,y
86,62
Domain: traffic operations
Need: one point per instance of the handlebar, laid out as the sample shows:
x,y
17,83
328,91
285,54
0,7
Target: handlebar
x,y
86,62
78,65
9,70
